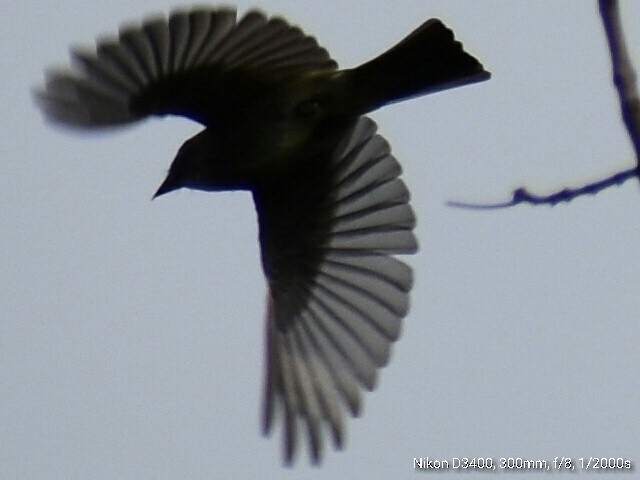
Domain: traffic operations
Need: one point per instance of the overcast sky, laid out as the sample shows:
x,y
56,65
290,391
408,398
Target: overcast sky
x,y
131,331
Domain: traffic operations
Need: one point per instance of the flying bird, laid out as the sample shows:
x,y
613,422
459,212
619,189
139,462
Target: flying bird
x,y
283,122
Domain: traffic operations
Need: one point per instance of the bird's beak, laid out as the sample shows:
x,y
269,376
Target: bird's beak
x,y
167,186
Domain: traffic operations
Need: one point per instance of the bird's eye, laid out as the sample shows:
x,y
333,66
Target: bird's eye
x,y
309,109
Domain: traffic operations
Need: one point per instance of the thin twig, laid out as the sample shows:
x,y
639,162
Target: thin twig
x,y
522,195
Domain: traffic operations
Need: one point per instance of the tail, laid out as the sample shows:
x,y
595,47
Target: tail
x,y
426,61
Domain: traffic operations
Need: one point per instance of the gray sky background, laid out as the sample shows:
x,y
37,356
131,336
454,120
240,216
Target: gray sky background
x,y
131,331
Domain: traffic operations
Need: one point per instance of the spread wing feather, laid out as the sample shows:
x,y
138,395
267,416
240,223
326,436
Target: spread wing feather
x,y
168,65
331,331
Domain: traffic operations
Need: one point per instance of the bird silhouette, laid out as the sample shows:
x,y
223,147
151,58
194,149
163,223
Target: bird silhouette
x,y
281,121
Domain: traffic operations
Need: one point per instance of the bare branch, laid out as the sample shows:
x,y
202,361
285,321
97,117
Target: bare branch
x,y
624,78
522,195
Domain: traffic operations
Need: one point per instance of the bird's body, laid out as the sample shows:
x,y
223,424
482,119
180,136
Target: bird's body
x,y
282,122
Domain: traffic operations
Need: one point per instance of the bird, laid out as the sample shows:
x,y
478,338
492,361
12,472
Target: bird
x,y
282,121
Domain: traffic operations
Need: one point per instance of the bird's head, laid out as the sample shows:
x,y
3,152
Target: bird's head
x,y
199,165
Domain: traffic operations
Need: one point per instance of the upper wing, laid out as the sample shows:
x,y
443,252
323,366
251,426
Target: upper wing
x,y
168,66
336,293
